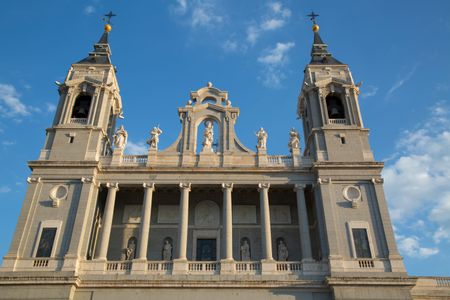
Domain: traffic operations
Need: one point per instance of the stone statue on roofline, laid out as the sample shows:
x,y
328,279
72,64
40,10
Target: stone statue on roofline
x,y
294,139
120,138
154,138
262,139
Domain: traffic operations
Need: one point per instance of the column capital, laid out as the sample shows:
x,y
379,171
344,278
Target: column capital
x,y
185,185
299,186
226,186
377,180
262,186
323,180
34,179
112,185
90,180
149,185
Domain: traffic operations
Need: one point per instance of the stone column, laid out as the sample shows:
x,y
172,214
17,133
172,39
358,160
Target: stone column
x,y
180,264
83,220
228,220
185,188
16,249
305,240
227,263
107,220
266,235
395,259
332,231
145,221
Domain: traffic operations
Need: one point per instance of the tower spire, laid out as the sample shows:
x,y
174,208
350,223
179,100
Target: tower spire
x,y
102,51
319,51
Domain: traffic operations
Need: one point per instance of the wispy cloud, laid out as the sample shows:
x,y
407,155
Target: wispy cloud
x,y
400,82
276,17
410,246
369,91
273,61
5,189
136,148
8,143
417,180
10,103
198,13
50,107
89,10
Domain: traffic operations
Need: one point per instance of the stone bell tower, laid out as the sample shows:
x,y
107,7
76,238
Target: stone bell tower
x,y
328,105
88,108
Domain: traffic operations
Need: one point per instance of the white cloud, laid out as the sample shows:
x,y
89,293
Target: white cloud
x,y
180,7
89,10
50,107
275,18
273,61
8,143
417,180
399,83
369,91
4,189
277,55
233,46
198,13
10,103
204,14
277,8
410,246
136,148
272,24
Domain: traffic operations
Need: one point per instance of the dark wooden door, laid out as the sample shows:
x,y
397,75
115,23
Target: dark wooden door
x,y
206,250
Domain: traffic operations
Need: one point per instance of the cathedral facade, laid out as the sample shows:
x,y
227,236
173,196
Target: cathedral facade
x,y
207,217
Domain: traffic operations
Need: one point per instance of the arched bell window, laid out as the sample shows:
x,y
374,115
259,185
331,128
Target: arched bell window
x,y
335,107
81,107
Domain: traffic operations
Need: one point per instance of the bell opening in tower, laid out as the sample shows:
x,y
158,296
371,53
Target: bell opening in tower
x,y
335,107
81,107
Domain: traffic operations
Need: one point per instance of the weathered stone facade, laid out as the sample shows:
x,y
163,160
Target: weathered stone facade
x,y
207,218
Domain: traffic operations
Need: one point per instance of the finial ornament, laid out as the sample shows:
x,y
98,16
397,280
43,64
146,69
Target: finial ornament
x,y
108,16
312,16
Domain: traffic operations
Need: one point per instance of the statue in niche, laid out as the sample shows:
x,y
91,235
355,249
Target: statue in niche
x,y
120,138
154,139
167,250
282,250
129,252
208,136
294,139
262,138
245,250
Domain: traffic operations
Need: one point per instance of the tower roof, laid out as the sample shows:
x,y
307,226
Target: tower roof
x,y
319,51
101,53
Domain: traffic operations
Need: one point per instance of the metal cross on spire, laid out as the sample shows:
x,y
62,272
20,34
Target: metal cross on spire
x,y
108,17
312,16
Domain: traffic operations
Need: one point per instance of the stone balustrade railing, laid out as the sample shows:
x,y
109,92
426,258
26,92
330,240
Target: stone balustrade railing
x,y
337,121
279,160
209,267
248,267
159,266
81,121
289,267
118,266
139,159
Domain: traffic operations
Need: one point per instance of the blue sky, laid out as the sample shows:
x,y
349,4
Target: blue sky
x,y
256,50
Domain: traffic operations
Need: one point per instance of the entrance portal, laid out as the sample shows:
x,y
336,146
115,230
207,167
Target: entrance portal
x,y
206,250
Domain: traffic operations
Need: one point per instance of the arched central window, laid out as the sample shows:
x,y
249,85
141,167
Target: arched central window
x,y
334,107
81,107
